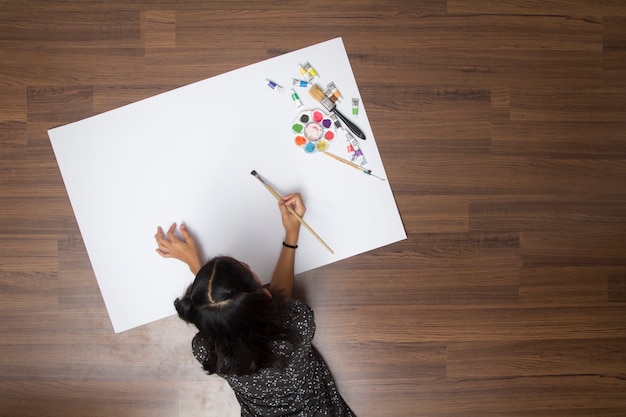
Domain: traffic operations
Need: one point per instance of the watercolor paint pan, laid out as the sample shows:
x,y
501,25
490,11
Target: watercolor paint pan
x,y
313,130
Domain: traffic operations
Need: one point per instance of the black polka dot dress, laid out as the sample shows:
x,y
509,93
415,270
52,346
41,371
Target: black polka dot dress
x,y
304,389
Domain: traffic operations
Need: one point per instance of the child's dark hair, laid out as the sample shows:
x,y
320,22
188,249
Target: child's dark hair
x,y
238,321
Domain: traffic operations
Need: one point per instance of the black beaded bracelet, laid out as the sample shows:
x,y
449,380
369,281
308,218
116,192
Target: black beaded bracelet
x,y
290,246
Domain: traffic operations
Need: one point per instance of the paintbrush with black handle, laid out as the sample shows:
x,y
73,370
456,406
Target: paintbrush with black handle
x,y
318,94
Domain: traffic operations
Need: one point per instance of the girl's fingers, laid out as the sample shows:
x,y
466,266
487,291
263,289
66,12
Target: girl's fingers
x,y
170,232
185,233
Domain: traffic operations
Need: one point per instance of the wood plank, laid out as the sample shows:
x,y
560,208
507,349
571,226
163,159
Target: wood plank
x,y
158,28
479,68
33,214
446,323
575,139
574,248
54,66
550,396
548,7
458,282
13,103
565,285
614,56
548,215
617,287
88,398
14,144
598,357
430,214
443,174
56,104
412,361
590,105
206,396
26,182
81,29
34,252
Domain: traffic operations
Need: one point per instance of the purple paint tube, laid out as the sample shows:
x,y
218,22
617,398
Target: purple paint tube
x,y
354,151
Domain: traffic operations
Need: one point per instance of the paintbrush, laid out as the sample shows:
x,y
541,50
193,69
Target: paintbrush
x,y
292,211
353,165
318,94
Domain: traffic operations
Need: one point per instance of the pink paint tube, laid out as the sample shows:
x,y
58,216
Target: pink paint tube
x,y
354,151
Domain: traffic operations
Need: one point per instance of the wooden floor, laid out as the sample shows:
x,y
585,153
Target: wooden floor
x,y
502,126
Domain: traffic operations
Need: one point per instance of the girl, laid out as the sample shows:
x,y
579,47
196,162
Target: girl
x,y
259,340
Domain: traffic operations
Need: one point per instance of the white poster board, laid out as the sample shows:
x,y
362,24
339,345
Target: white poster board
x,y
186,156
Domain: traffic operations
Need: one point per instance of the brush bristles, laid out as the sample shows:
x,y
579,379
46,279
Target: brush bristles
x,y
258,177
318,94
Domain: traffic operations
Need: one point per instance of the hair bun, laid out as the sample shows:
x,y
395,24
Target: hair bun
x,y
183,308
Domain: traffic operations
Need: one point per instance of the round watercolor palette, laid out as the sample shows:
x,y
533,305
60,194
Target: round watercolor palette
x,y
313,130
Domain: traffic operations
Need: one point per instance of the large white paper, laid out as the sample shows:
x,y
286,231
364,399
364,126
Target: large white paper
x,y
186,156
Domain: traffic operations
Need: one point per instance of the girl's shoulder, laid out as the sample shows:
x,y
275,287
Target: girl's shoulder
x,y
199,348
300,307
302,318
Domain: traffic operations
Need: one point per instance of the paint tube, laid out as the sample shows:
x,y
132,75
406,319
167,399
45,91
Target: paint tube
x,y
354,151
296,98
299,83
308,72
274,86
333,93
355,107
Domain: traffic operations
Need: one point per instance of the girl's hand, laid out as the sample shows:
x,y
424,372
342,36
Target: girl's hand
x,y
290,222
185,249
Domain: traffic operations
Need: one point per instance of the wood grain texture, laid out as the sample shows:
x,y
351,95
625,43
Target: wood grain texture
x,y
501,126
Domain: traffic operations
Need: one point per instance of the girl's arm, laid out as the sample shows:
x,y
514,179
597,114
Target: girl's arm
x,y
283,276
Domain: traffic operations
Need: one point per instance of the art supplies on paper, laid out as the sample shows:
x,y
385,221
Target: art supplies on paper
x,y
313,130
318,94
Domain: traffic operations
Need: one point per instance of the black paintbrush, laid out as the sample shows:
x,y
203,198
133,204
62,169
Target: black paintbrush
x,y
318,94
